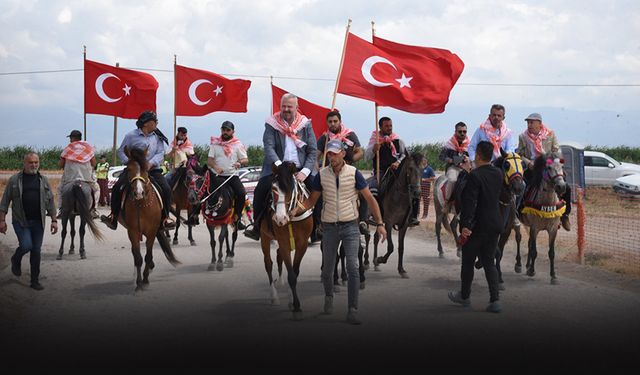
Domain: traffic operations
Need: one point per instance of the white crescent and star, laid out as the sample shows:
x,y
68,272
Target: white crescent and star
x,y
100,89
368,64
194,86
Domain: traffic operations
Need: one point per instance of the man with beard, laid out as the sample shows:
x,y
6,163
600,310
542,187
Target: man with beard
x,y
493,130
31,201
226,155
288,136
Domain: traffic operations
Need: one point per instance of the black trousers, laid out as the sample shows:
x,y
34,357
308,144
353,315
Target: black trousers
x,y
482,246
156,176
239,193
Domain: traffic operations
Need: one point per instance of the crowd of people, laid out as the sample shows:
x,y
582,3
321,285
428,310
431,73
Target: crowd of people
x,y
345,201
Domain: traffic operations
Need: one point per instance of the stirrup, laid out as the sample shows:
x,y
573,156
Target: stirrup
x,y
168,223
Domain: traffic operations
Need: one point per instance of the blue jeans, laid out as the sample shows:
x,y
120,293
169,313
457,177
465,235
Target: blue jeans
x,y
30,240
349,234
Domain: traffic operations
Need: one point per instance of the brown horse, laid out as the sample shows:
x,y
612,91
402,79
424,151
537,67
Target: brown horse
x,y
292,234
142,216
179,196
543,208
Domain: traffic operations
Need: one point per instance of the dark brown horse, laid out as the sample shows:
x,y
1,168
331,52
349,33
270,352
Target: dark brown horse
x,y
76,201
396,204
142,216
291,233
179,195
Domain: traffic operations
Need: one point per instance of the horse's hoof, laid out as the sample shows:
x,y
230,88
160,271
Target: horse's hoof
x,y
404,275
211,267
290,305
71,251
83,255
366,266
139,288
554,281
376,268
175,241
441,255
59,257
219,266
229,263
500,286
362,285
381,260
458,253
531,273
518,269
297,316
336,288
193,243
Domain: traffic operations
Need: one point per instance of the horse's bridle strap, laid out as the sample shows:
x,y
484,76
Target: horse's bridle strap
x,y
145,181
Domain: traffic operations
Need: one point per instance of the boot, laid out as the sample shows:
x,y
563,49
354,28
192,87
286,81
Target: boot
x,y
168,224
564,219
15,266
253,232
109,221
36,285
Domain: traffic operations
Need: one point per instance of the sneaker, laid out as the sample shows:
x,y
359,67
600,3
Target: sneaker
x,y
494,307
564,219
15,266
456,297
252,233
36,285
352,316
109,222
328,305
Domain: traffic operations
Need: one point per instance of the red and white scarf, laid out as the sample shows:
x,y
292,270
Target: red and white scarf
x,y
342,135
385,139
228,146
534,142
453,144
493,136
278,123
79,151
185,146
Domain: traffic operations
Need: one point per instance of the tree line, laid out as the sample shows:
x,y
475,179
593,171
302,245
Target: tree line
x,y
11,157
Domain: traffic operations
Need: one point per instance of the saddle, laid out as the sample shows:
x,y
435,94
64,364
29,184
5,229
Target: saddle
x,y
127,189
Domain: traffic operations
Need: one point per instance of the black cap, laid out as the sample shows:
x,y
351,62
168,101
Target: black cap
x,y
182,129
75,134
228,125
145,117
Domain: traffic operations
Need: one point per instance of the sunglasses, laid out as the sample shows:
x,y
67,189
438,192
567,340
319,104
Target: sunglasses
x,y
462,132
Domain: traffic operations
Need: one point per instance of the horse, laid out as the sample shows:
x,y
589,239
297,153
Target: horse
x,y
513,186
179,195
142,215
396,202
215,198
543,208
76,201
445,207
291,233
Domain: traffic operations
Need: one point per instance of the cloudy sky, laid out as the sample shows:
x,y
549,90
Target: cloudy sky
x,y
575,62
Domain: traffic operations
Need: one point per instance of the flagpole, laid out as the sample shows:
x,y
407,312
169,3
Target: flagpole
x,y
373,33
271,108
344,50
175,96
84,54
115,133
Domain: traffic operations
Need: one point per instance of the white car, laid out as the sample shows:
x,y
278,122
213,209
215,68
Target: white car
x,y
602,169
113,174
628,185
249,177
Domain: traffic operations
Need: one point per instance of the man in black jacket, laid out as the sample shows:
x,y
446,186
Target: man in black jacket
x,y
481,225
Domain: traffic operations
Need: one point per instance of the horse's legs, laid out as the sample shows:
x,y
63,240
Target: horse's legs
x,y
148,261
367,239
552,255
231,253
343,273
175,233
376,239
518,267
533,252
192,242
72,221
361,267
438,231
265,244
293,279
502,241
63,234
401,234
212,243
137,258
453,225
222,238
83,224
383,259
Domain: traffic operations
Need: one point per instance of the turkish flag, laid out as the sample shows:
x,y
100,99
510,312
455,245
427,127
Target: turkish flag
x,y
409,78
117,91
199,92
316,113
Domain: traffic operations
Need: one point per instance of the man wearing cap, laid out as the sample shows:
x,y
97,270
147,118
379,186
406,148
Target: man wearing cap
x,y
102,175
78,161
339,185
288,136
181,149
146,136
536,140
493,130
226,155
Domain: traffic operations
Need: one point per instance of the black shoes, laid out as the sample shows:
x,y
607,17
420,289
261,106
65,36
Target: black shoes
x,y
413,222
112,224
36,285
252,233
15,266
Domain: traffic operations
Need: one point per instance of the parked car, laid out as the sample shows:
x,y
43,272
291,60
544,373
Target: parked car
x,y
602,169
628,185
249,177
113,174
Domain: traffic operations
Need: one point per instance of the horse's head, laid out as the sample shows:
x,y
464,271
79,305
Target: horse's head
x,y
554,174
410,170
193,192
137,171
513,168
282,190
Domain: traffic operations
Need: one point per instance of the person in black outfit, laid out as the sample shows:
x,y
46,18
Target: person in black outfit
x,y
481,226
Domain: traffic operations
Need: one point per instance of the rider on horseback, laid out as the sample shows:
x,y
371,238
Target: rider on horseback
x,y
533,142
226,155
146,136
181,150
78,161
453,154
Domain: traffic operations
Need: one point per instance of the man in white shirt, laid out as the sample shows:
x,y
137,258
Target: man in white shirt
x,y
226,155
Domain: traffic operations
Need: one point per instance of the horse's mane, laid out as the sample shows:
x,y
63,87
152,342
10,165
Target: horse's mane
x,y
538,167
284,176
138,156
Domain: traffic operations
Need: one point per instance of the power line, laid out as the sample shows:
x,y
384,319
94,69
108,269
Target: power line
x,y
331,80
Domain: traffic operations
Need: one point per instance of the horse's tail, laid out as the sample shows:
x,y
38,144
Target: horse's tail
x,y
85,212
166,248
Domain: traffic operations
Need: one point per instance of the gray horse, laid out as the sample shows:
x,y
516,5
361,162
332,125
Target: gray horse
x,y
76,201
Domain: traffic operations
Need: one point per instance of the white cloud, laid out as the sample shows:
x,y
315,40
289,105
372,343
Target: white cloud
x,y
65,16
